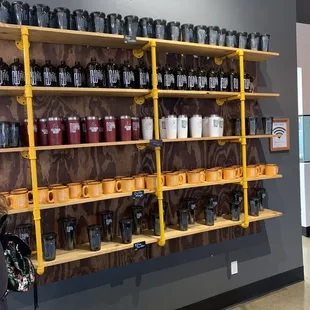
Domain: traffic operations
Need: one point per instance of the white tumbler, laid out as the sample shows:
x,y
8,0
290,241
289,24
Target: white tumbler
x,y
147,128
182,127
172,127
214,126
205,127
162,128
195,125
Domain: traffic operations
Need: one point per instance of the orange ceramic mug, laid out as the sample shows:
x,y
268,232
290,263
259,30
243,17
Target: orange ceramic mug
x,y
214,175
22,190
174,179
195,176
183,173
42,194
239,169
230,173
151,181
6,195
54,185
272,170
108,186
139,182
75,190
92,190
262,168
253,171
119,178
18,199
59,194
88,181
125,185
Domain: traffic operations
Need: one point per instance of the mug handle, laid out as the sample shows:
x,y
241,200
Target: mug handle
x,y
202,177
277,169
259,170
85,191
220,175
30,197
181,179
237,173
50,197
162,180
118,186
241,171
10,202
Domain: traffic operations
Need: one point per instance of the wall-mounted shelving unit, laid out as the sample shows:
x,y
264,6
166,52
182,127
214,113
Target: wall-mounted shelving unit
x,y
24,35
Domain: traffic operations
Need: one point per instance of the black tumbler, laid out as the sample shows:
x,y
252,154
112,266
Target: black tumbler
x,y
5,12
254,206
200,34
20,13
49,246
97,21
183,219
264,42
4,134
267,125
209,215
41,14
114,23
222,37
213,35
231,38
262,196
107,226
94,237
156,225
187,33
126,230
24,232
80,20
173,31
14,129
235,211
52,20
190,204
242,38
212,200
131,25
237,196
253,41
145,28
68,230
159,28
62,18
252,125
137,220
237,127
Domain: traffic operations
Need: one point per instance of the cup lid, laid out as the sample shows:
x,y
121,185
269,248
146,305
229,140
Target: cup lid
x,y
125,117
183,116
49,236
91,117
196,115
109,117
172,116
54,119
73,118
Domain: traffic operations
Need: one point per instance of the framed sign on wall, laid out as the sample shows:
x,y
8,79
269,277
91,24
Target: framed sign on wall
x,y
281,128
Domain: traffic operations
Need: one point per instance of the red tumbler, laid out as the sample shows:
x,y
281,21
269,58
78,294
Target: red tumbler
x,y
54,126
124,128
43,132
73,130
135,128
25,132
109,129
92,128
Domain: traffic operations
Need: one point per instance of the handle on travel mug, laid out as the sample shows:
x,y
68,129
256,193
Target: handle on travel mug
x,y
202,177
237,173
118,186
219,175
30,197
181,179
258,170
50,196
85,191
162,180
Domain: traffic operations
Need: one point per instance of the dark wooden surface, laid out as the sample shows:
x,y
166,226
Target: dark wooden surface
x,y
98,163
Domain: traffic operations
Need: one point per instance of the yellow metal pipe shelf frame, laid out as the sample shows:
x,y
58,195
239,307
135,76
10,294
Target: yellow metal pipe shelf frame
x,y
26,100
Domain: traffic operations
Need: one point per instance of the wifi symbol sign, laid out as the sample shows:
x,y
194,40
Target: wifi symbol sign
x,y
280,131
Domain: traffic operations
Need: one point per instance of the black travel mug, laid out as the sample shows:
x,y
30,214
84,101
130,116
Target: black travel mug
x,y
68,230
159,28
4,134
254,206
252,125
131,25
264,42
97,21
145,28
187,33
14,129
213,201
231,38
173,31
80,18
107,226
190,205
222,37
62,18
213,35
20,13
242,38
253,41
262,196
94,237
183,219
49,246
200,34
5,12
209,215
126,230
235,211
115,25
156,225
137,220
41,14
267,125
24,232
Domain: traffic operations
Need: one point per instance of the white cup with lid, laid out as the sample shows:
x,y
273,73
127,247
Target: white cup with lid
x,y
195,125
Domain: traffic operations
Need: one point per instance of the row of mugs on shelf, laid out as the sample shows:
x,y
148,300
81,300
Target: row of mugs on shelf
x,y
58,193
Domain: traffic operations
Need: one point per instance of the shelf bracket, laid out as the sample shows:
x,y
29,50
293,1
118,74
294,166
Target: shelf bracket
x,y
220,102
218,61
19,45
222,142
21,100
141,147
139,100
138,53
25,154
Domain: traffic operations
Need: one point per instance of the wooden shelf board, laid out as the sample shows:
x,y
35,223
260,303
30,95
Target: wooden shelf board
x,y
250,96
195,94
201,139
14,150
49,35
82,252
261,136
11,91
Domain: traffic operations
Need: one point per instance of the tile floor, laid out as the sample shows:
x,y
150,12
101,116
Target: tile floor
x,y
295,297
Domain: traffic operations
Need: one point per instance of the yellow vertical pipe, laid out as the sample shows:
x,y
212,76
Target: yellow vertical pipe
x,y
159,193
245,223
32,150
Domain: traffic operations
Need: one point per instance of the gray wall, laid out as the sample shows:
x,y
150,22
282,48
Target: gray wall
x,y
194,275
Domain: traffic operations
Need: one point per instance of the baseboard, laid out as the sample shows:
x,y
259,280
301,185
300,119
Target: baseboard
x,y
306,231
250,291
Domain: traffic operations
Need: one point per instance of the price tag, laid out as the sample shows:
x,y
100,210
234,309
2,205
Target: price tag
x,y
137,194
156,143
139,245
130,39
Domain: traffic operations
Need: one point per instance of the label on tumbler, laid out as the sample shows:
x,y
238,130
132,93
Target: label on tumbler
x,y
74,127
17,77
114,76
93,129
95,76
128,77
224,83
77,79
202,82
236,83
192,81
213,81
4,77
159,78
110,126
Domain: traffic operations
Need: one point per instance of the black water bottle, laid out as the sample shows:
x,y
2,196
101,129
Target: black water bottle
x,y
4,73
140,76
180,78
192,80
202,79
127,76
94,74
20,13
169,80
159,77
223,80
233,81
213,81
49,74
35,74
247,83
113,75
64,75
78,75
17,74
5,12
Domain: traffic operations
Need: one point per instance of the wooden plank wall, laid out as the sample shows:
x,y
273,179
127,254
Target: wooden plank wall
x,y
98,163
